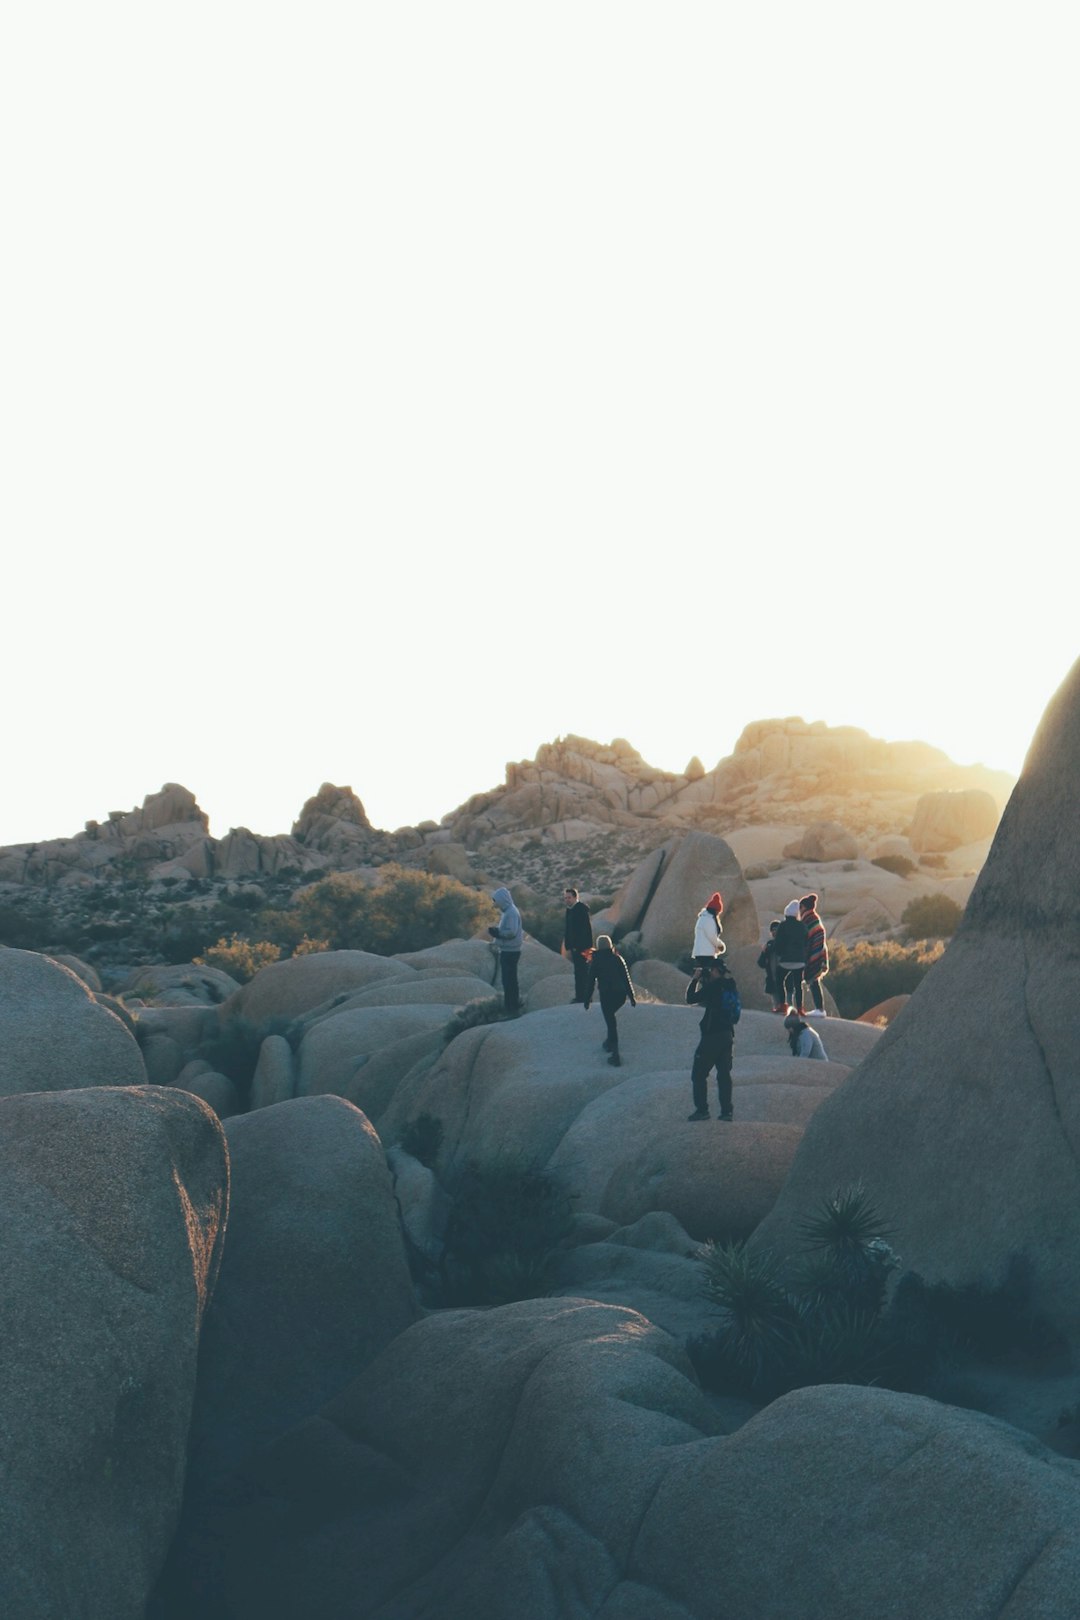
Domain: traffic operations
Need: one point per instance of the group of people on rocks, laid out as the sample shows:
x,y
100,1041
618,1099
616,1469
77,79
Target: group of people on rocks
x,y
795,955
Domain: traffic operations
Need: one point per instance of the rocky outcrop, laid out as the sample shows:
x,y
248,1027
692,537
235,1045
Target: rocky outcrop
x,y
964,1122
555,1458
54,1034
113,1209
314,1283
946,821
334,823
663,895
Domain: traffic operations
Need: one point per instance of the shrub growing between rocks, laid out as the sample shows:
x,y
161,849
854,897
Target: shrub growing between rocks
x,y
505,1226
407,910
862,975
240,958
483,1010
899,865
931,916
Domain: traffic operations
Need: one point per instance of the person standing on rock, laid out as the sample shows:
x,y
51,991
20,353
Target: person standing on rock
x,y
804,1041
509,937
790,960
577,940
609,975
767,962
708,930
817,953
714,989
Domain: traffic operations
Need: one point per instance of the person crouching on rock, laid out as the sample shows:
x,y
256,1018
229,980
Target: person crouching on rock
x,y
817,953
509,937
610,976
804,1041
714,989
708,931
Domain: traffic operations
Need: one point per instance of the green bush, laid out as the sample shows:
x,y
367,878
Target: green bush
x,y
900,865
407,910
816,1322
25,930
507,1222
932,916
862,975
240,958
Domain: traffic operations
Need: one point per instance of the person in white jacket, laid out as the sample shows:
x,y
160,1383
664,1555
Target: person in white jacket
x,y
708,944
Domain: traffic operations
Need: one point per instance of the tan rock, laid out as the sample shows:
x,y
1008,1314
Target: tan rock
x,y
945,821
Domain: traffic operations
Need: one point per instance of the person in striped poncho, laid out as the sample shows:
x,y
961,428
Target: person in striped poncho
x,y
817,952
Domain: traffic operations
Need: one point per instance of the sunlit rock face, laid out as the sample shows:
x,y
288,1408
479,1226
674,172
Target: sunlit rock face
x,y
113,1204
945,821
964,1122
54,1035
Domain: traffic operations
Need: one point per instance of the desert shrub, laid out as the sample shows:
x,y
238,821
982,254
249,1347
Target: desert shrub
x,y
234,1050
422,1138
406,911
505,1226
483,1010
310,947
931,916
900,865
240,958
818,1321
862,975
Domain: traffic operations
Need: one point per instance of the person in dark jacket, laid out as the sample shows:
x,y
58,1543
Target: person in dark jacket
x,y
610,976
716,1046
790,960
508,936
767,962
577,940
817,952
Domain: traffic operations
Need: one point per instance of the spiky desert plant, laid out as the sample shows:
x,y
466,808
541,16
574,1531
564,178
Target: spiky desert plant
x,y
849,1257
761,1314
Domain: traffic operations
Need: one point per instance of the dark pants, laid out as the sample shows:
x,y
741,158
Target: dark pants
x,y
713,1051
609,1009
815,991
791,987
581,975
508,966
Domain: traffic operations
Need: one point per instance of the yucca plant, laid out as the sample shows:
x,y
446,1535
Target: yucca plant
x,y
761,1314
848,1255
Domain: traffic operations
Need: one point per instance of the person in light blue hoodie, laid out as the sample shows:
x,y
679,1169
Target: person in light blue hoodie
x,y
509,938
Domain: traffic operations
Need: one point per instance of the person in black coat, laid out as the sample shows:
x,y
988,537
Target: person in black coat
x,y
714,989
790,959
609,974
577,940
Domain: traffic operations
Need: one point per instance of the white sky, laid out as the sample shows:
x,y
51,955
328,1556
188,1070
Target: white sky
x,y
387,390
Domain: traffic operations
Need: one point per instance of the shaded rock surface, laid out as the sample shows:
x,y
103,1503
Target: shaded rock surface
x,y
54,1035
964,1122
114,1203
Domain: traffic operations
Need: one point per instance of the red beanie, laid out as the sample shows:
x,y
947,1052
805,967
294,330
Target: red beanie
x,y
715,904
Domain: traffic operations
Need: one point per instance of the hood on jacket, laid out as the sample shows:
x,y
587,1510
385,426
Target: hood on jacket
x,y
502,898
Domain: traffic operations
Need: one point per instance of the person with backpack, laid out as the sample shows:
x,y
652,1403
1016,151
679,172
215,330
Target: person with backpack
x,y
609,974
804,1041
767,962
817,953
577,940
790,960
508,937
713,989
707,932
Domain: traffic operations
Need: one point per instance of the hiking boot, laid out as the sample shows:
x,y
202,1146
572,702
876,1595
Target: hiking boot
x,y
726,1113
817,1012
615,1060
699,1113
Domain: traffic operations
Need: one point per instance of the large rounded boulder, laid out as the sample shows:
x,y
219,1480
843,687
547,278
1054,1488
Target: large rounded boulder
x,y
54,1034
